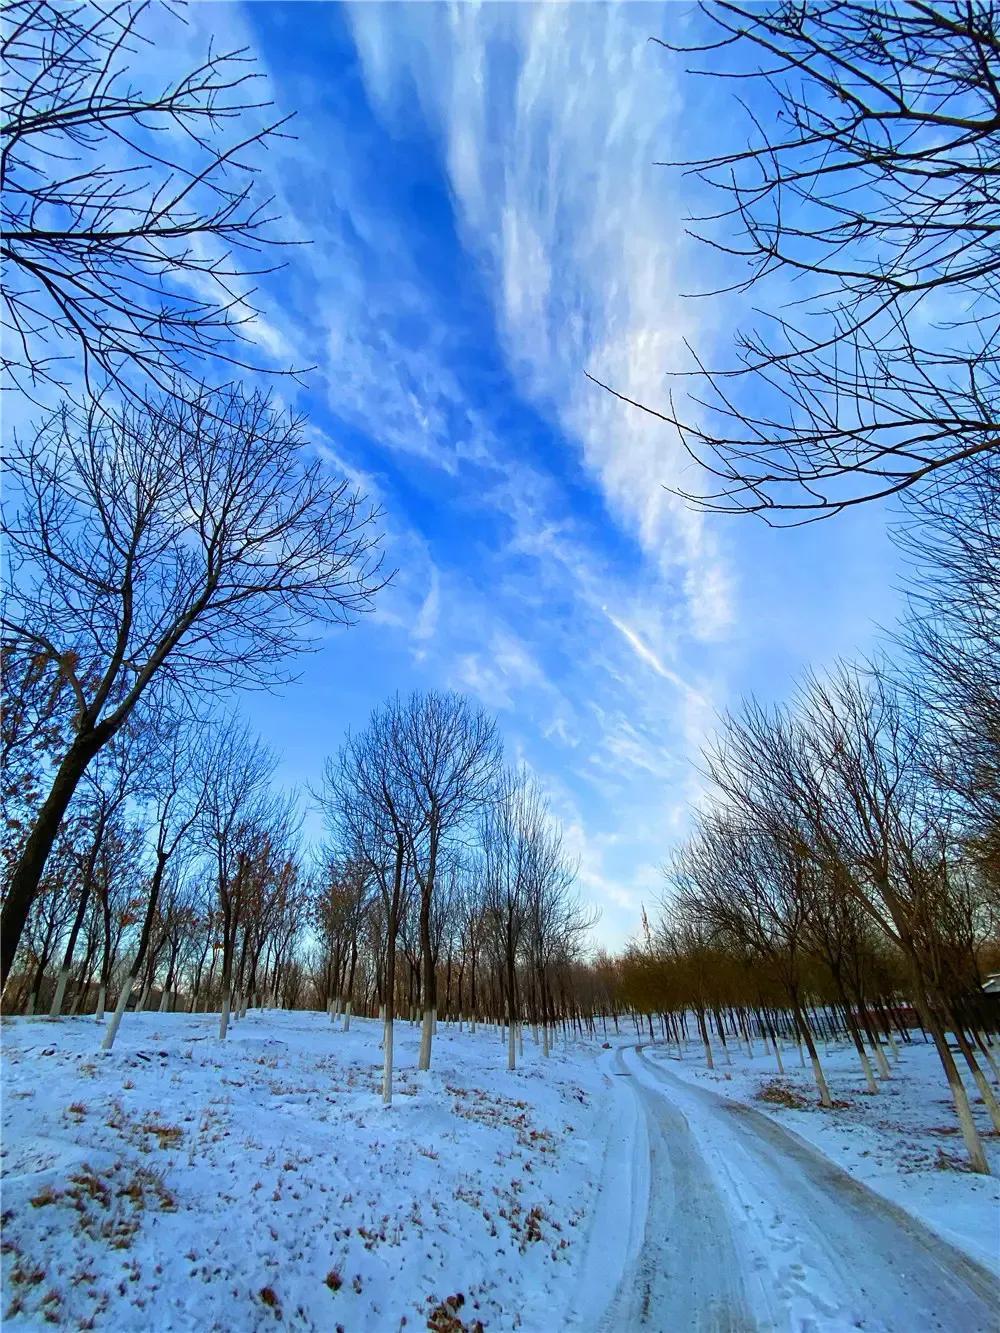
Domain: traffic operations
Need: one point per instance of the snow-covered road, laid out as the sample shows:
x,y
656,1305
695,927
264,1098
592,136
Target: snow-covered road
x,y
750,1228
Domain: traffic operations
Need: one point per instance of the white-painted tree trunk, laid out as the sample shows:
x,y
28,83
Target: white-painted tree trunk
x,y
545,1039
460,1021
426,1034
986,1092
224,1017
821,1084
866,1066
510,1046
164,995
709,1060
29,1008
991,1060
114,1022
883,1064
347,1016
520,1041
144,998
102,1002
802,1058
55,1009
777,1054
387,1060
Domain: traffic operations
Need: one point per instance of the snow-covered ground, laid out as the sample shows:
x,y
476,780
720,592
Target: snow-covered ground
x,y
904,1143
750,1228
181,1183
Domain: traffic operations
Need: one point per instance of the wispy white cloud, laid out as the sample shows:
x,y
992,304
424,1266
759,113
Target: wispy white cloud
x,y
576,231
546,571
646,654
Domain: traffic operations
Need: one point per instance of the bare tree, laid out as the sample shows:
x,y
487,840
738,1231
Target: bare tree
x,y
844,785
864,173
447,752
523,866
133,223
952,639
757,889
247,829
370,808
187,544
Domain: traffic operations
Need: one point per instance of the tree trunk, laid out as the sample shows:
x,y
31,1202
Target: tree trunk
x,y
224,1015
389,1006
115,1020
973,1143
703,1027
22,887
985,1091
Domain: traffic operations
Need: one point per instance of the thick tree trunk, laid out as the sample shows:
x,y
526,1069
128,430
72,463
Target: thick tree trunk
x,y
115,1020
389,1006
703,1028
805,1034
427,960
426,1037
985,1091
22,887
511,1016
224,1015
973,1143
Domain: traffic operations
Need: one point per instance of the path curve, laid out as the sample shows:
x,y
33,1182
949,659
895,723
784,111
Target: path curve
x,y
748,1228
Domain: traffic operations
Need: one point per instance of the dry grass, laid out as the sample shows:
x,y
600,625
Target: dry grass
x,y
776,1093
444,1317
169,1136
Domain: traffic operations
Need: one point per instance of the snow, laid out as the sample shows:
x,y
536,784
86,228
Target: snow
x,y
183,1183
903,1143
751,1228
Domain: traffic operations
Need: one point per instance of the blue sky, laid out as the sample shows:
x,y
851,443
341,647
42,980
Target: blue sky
x,y
485,224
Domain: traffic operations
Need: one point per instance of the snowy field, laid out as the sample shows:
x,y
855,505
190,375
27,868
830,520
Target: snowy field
x,y
182,1184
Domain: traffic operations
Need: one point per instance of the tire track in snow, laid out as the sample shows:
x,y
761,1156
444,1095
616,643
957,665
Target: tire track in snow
x,y
750,1228
687,1274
